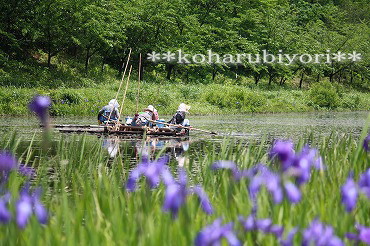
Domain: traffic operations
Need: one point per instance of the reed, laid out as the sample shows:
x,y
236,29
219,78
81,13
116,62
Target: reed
x,y
84,192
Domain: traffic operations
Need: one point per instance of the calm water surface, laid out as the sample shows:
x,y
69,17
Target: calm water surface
x,y
240,127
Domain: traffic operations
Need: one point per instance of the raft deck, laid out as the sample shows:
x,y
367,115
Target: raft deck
x,y
119,130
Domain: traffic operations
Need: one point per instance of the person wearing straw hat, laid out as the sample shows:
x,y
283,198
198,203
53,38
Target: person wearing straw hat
x,y
109,112
143,118
179,117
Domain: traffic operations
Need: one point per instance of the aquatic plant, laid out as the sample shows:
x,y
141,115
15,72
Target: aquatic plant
x,y
362,235
366,143
351,190
349,193
151,170
83,189
320,234
40,106
215,232
29,204
177,192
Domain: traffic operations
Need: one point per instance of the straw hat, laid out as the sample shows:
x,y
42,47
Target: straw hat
x,y
150,108
114,103
183,107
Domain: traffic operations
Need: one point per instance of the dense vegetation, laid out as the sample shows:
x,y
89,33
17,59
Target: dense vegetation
x,y
84,192
220,98
73,44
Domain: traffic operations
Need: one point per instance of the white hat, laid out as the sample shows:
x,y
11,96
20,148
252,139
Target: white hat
x,y
183,107
150,108
114,103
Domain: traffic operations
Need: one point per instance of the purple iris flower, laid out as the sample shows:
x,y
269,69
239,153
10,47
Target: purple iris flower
x,y
288,241
151,170
7,162
349,193
39,209
26,171
238,174
292,191
363,234
366,143
271,181
213,234
23,209
296,164
283,151
203,199
264,225
364,183
320,234
27,205
40,105
5,215
273,185
177,192
304,161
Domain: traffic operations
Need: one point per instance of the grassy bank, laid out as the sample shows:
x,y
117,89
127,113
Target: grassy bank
x,y
75,93
83,191
204,98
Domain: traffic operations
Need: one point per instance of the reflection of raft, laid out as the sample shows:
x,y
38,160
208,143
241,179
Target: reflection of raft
x,y
122,130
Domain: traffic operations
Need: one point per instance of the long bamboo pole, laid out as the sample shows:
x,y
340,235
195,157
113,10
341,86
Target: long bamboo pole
x,y
124,94
184,127
120,84
138,87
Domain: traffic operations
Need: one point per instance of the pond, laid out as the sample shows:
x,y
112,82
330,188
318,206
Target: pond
x,y
241,128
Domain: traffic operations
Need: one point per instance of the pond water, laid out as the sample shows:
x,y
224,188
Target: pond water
x,y
240,127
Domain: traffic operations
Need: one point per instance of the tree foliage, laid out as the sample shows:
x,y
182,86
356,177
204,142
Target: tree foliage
x,y
107,29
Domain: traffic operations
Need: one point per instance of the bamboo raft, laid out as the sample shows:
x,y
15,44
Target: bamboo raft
x,y
120,130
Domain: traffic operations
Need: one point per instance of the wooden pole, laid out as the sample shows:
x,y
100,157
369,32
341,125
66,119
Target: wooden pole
x,y
120,84
138,87
184,127
124,95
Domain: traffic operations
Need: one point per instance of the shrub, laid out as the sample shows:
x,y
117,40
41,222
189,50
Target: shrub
x,y
66,97
324,94
351,101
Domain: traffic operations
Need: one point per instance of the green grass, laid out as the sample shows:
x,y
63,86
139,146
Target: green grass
x,y
204,99
83,189
75,93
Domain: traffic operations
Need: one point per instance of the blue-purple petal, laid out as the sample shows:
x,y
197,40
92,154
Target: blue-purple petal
x,y
366,143
349,194
203,199
7,161
40,106
23,210
5,214
293,193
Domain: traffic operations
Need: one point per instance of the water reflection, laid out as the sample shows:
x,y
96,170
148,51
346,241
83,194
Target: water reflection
x,y
111,144
149,146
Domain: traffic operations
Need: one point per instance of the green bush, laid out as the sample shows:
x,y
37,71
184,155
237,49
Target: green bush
x,y
351,101
325,95
253,101
66,97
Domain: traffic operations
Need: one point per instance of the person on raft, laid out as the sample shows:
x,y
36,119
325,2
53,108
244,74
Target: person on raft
x,y
179,117
144,118
109,112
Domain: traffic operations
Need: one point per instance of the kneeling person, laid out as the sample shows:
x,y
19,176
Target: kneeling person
x,y
109,112
144,118
179,117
